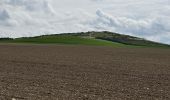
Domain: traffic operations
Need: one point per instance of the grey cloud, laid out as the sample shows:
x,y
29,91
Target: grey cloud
x,y
4,15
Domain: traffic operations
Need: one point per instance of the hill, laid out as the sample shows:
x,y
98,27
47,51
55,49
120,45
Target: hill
x,y
87,38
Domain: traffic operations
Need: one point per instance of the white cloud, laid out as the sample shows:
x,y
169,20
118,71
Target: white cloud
x,y
148,19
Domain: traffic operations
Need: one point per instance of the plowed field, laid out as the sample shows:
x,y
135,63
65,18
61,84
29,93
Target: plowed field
x,y
56,72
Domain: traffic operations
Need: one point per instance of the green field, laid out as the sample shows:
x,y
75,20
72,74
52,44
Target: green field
x,y
87,38
64,39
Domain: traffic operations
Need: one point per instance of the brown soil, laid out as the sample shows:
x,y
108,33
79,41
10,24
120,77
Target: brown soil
x,y
50,72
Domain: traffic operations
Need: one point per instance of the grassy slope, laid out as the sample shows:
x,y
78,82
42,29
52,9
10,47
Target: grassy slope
x,y
88,38
124,39
64,39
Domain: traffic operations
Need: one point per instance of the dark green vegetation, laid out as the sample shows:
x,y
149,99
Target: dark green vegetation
x,y
87,38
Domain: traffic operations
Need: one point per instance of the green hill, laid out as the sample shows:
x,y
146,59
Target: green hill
x,y
62,39
87,38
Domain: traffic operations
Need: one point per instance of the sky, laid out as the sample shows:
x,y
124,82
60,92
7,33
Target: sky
x,y
149,19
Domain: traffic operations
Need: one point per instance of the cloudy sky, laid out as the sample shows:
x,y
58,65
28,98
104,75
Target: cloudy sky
x,y
148,19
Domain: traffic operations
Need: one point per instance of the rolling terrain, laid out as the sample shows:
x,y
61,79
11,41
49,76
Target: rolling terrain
x,y
87,38
84,66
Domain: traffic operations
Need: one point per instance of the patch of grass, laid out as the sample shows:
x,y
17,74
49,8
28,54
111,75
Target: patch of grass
x,y
64,39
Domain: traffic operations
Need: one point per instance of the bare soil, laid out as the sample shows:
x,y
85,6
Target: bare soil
x,y
56,72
